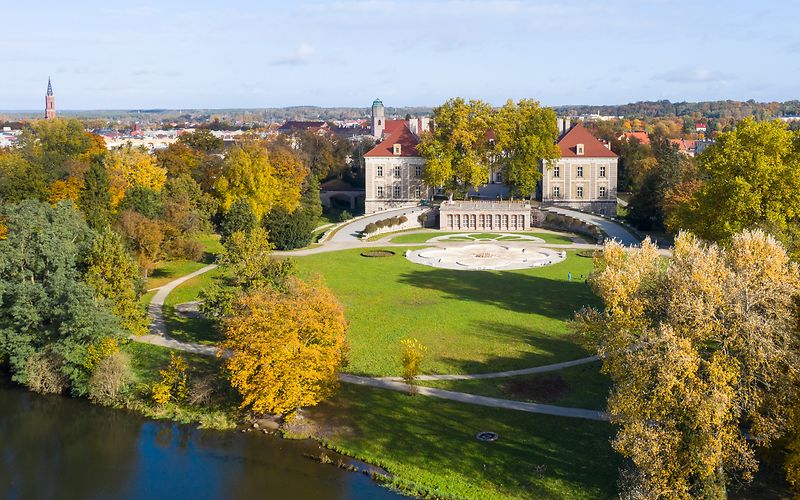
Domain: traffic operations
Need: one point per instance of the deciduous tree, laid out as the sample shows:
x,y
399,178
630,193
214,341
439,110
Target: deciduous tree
x,y
286,348
702,354
116,278
457,151
751,179
526,137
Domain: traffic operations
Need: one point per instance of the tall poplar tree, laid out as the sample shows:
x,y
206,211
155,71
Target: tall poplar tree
x,y
95,197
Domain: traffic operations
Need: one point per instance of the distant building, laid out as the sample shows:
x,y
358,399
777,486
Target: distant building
x,y
640,136
49,102
291,126
700,127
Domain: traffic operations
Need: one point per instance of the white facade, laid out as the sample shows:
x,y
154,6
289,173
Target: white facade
x,y
393,182
582,183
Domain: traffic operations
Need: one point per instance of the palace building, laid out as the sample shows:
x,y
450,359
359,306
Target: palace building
x,y
584,178
49,102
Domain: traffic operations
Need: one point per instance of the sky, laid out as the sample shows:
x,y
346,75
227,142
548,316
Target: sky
x,y
180,54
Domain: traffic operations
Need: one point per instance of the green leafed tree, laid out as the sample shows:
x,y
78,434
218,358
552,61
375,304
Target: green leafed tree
x,y
116,279
457,151
751,179
20,179
94,199
49,317
525,138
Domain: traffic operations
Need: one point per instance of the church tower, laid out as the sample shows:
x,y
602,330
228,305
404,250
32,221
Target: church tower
x,y
378,119
49,102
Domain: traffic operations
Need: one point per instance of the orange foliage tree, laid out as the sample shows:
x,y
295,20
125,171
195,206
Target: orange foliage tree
x,y
285,348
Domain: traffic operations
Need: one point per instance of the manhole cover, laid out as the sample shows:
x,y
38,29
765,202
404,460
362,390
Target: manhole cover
x,y
487,436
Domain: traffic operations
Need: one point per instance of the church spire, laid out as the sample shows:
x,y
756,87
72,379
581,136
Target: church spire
x,y
49,102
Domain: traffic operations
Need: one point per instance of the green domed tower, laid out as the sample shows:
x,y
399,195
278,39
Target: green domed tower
x,y
378,119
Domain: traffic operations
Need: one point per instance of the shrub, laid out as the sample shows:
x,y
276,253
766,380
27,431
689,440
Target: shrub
x,y
184,248
413,352
201,390
381,224
110,378
239,217
345,216
173,385
97,352
289,230
422,218
371,228
216,302
42,374
402,220
394,221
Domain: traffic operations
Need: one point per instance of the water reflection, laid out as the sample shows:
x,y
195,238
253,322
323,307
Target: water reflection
x,y
52,447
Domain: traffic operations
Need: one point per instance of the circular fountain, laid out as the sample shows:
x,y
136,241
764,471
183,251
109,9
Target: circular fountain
x,y
485,257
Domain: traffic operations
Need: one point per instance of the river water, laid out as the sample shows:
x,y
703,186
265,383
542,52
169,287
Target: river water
x,y
63,448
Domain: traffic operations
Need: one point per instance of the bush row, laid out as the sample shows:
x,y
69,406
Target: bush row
x,y
384,223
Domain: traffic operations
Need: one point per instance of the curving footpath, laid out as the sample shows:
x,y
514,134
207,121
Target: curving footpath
x,y
158,336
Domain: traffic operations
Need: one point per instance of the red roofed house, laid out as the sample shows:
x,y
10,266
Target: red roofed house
x,y
585,177
393,168
642,137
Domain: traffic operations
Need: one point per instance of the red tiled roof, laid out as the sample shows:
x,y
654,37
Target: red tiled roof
x,y
592,147
396,132
642,137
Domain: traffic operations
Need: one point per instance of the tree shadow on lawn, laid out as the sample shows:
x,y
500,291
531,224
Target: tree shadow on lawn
x,y
549,348
514,291
536,454
191,328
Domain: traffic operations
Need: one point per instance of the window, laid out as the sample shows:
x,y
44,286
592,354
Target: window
x,y
379,171
556,171
380,192
397,171
498,177
417,192
579,191
602,171
417,170
580,172
397,192
396,150
556,192
579,149
602,192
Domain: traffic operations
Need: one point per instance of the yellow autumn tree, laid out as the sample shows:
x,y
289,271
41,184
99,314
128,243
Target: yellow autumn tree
x,y
286,348
702,352
129,167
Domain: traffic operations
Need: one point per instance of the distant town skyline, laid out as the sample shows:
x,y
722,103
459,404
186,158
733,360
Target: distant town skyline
x,y
408,53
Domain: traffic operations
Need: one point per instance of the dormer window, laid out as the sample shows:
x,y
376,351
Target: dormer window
x,y
396,149
579,149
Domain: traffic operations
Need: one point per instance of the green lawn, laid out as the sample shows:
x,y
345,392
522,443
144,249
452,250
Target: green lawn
x,y
169,270
191,329
471,321
430,447
551,238
580,386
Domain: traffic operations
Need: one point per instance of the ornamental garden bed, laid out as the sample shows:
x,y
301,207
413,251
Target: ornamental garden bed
x,y
377,253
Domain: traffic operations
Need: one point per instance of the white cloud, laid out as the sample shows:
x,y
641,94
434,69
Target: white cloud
x,y
694,75
299,57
